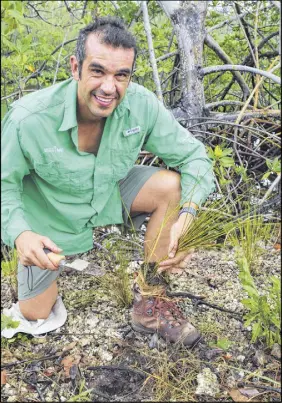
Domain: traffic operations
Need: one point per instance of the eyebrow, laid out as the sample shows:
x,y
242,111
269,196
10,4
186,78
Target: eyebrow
x,y
99,66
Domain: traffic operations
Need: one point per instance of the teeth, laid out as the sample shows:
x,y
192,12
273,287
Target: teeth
x,y
103,99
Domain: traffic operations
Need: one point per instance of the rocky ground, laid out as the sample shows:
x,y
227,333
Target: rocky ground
x,y
96,356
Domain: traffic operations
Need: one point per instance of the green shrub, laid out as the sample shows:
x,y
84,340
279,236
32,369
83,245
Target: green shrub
x,y
264,310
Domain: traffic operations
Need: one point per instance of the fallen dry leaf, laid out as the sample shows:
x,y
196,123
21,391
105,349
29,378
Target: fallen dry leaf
x,y
77,359
67,362
237,396
249,392
277,246
49,371
70,346
3,377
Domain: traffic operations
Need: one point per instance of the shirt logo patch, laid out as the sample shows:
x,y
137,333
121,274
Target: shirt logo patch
x,y
54,149
133,130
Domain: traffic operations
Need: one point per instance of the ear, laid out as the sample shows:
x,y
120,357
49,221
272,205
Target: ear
x,y
74,67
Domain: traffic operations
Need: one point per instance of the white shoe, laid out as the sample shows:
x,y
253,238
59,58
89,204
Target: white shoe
x,y
56,319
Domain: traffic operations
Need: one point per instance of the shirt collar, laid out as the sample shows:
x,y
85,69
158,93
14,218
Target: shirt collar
x,y
122,107
69,120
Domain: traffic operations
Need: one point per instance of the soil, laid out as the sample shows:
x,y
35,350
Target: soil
x,y
97,356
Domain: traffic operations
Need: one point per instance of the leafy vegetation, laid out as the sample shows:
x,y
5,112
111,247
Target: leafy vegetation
x,y
7,322
264,310
221,159
222,343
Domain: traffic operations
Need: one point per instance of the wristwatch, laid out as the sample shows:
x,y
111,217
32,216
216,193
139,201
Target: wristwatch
x,y
190,210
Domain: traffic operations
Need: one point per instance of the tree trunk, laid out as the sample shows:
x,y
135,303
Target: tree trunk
x,y
188,18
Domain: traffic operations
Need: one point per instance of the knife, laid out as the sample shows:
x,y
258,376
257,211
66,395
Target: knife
x,y
78,264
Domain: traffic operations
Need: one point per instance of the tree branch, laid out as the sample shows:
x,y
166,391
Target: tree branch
x,y
269,191
70,10
84,9
151,50
212,44
277,4
135,17
223,103
233,116
38,15
248,59
38,71
164,57
245,30
221,24
231,67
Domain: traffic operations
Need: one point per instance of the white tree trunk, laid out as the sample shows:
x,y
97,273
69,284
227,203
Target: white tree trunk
x,y
188,19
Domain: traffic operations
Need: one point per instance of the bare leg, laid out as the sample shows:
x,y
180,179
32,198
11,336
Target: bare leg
x,y
39,307
160,196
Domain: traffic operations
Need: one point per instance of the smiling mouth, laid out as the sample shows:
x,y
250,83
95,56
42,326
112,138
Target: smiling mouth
x,y
103,101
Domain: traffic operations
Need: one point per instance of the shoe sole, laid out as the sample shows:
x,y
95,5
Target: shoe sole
x,y
142,329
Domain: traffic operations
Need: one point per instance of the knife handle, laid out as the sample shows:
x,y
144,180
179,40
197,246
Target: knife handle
x,y
57,260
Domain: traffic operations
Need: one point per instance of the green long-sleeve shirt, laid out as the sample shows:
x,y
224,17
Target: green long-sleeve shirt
x,y
53,189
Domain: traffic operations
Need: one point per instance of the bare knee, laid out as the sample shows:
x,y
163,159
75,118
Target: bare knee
x,y
40,307
169,187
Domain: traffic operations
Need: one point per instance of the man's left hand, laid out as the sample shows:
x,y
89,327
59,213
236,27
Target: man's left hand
x,y
177,264
177,261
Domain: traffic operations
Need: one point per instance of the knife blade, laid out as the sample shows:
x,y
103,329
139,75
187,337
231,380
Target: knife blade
x,y
77,264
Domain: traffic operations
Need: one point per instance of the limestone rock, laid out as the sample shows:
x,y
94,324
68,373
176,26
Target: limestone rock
x,y
207,383
276,351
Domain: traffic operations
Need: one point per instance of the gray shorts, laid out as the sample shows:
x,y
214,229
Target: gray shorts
x,y
33,281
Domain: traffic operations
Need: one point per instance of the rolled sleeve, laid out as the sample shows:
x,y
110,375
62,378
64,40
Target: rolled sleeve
x,y
178,148
14,168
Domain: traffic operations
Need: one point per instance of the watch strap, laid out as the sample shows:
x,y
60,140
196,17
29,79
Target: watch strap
x,y
189,210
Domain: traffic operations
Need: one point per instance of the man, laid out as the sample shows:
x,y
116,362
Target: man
x,y
68,166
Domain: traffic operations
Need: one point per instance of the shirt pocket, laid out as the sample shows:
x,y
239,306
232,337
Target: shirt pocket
x,y
123,161
64,179
81,180
50,173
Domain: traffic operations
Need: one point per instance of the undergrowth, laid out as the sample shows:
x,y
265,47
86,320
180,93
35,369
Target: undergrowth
x,y
9,266
250,239
173,375
264,310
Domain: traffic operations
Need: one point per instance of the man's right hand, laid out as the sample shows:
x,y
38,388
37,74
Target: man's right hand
x,y
30,250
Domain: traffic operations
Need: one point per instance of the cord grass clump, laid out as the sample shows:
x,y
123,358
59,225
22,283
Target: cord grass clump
x,y
117,285
250,238
208,230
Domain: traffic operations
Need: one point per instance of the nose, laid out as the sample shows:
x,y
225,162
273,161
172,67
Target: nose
x,y
108,85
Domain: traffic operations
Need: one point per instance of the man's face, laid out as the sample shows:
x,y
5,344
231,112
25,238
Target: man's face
x,y
104,78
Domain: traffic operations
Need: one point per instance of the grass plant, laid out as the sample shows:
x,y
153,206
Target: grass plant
x,y
173,375
116,284
210,328
9,267
208,230
250,238
82,395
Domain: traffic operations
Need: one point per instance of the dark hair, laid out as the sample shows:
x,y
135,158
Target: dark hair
x,y
112,31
